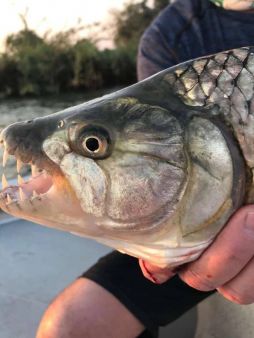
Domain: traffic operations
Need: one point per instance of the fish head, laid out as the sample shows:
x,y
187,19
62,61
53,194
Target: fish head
x,y
114,165
139,170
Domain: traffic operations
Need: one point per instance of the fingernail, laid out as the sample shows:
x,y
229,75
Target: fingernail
x,y
249,221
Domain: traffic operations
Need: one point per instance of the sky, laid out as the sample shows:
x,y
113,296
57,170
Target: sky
x,y
55,15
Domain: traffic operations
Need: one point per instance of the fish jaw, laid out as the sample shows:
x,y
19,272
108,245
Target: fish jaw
x,y
46,197
42,199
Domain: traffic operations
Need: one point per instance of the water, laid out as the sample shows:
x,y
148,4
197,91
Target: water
x,y
14,110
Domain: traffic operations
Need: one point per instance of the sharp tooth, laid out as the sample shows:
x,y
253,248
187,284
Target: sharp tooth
x,y
19,165
5,183
9,200
33,170
35,194
20,180
5,157
22,195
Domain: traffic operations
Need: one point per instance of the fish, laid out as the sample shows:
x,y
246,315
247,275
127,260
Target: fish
x,y
154,170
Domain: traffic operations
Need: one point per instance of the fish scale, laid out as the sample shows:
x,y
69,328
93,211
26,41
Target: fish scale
x,y
227,81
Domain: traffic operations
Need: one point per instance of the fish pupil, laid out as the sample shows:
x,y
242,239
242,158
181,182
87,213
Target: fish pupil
x,y
92,144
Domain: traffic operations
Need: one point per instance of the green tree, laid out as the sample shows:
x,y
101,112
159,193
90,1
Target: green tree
x,y
9,76
34,65
24,39
85,65
131,22
43,66
158,5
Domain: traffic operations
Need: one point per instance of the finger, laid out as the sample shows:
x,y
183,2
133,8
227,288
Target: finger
x,y
154,273
240,289
230,252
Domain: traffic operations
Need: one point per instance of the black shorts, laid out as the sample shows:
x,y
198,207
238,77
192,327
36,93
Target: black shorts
x,y
154,305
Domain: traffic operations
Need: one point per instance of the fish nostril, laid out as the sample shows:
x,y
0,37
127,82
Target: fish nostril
x,y
60,124
29,121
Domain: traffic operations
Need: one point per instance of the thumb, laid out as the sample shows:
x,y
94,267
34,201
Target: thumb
x,y
154,273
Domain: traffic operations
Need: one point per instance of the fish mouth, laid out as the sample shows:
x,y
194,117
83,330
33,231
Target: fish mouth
x,y
28,189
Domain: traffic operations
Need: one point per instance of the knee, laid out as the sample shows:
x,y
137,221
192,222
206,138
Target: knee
x,y
53,323
85,309
73,313
62,318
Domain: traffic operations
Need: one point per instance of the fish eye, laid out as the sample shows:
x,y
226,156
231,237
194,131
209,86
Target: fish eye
x,y
94,142
91,140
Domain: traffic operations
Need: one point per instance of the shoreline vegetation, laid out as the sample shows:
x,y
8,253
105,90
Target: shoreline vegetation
x,y
34,66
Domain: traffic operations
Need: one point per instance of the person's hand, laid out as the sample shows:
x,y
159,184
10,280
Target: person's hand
x,y
227,265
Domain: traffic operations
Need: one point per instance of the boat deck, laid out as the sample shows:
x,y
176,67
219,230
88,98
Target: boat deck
x,y
37,263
